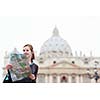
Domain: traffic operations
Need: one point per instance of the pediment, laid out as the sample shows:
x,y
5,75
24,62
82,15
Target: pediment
x,y
64,64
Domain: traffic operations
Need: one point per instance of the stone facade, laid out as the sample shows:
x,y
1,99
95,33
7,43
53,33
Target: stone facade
x,y
58,65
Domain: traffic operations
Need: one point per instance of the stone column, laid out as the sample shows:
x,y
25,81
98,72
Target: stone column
x,y
77,79
50,79
81,79
58,78
69,79
46,78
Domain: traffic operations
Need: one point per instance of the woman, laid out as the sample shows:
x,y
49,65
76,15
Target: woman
x,y
28,51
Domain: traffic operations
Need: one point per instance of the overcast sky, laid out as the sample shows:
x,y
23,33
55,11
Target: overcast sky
x,y
78,23
80,32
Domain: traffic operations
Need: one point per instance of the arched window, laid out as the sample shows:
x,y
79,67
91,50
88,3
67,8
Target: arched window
x,y
73,78
41,78
54,78
64,79
86,79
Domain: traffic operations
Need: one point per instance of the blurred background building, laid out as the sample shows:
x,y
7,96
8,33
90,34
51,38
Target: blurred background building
x,y
57,64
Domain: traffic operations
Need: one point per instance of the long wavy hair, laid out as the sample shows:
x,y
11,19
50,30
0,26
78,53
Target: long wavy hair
x,y
31,48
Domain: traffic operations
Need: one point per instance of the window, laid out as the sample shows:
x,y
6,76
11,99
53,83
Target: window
x,y
86,79
41,78
54,62
86,61
54,78
73,62
73,78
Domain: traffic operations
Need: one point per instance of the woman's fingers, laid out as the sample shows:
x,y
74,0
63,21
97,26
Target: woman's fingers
x,y
9,66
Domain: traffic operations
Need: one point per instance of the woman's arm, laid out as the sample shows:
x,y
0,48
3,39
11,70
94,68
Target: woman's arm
x,y
34,69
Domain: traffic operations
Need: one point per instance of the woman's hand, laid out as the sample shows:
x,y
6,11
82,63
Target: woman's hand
x,y
32,76
9,66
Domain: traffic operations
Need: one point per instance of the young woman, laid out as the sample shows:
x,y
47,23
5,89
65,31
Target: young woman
x,y
28,51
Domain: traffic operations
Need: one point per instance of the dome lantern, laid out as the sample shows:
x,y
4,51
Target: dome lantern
x,y
55,32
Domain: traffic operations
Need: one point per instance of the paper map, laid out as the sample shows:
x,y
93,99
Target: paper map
x,y
20,65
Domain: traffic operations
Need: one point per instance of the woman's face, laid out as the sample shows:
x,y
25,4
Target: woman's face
x,y
27,51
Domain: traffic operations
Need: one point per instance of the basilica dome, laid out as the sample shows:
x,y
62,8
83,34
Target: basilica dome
x,y
55,46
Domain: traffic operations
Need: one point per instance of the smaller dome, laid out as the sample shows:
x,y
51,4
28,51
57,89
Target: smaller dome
x,y
15,51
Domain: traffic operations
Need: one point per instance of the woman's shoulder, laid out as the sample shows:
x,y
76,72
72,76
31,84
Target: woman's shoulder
x,y
34,64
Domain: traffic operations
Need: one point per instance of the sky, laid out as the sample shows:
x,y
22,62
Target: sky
x,y
33,21
78,23
80,32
